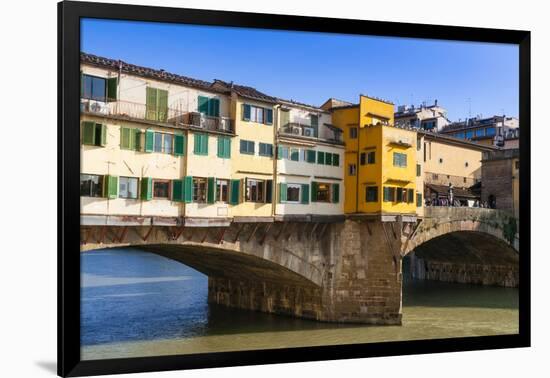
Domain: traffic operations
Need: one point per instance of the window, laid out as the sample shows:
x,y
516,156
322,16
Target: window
x,y
466,164
130,139
363,158
257,114
91,185
336,160
254,190
294,154
201,144
440,160
161,189
128,187
480,132
418,144
323,192
389,194
209,106
320,157
222,190
156,103
371,157
224,147
94,134
266,149
372,194
352,169
163,143
98,88
418,170
282,152
418,199
490,131
469,134
247,147
199,189
353,132
399,159
310,156
410,195
293,192
399,195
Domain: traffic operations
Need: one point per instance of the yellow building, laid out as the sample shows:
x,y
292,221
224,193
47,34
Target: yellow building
x,y
380,159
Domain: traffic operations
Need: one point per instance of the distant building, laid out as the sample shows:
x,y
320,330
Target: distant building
x,y
431,118
489,131
500,180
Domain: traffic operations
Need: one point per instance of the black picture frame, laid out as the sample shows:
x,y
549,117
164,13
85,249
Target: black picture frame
x,y
69,14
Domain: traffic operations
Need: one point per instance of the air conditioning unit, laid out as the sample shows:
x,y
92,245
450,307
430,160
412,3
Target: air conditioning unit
x,y
98,107
309,131
225,124
296,130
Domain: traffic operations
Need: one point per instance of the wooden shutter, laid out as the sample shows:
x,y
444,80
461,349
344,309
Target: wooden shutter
x,y
328,158
335,193
111,187
177,190
201,144
162,106
179,145
103,131
214,107
305,194
234,197
188,189
320,157
211,190
88,133
151,103
149,140
418,199
410,195
125,138
112,89
146,188
336,160
246,112
313,191
202,104
269,116
269,191
282,192
310,156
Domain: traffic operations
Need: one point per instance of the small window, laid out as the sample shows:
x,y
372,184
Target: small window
x,y
310,156
320,157
399,197
293,192
91,185
283,152
199,189
163,143
418,144
371,157
363,158
399,159
372,194
353,132
466,164
94,88
247,147
389,194
336,160
161,189
255,190
323,192
352,169
294,154
418,170
222,190
266,149
440,160
128,187
418,199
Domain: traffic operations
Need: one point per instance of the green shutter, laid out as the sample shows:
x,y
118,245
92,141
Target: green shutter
x,y
246,112
137,139
269,116
214,107
234,192
103,132
125,138
224,147
313,191
112,89
88,133
111,187
320,157
146,188
211,190
310,156
179,145
279,152
162,106
202,104
335,193
336,160
177,190
305,194
149,140
151,103
201,144
328,158
410,195
188,189
269,191
282,192
418,199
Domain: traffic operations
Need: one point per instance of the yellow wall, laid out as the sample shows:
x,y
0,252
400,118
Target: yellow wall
x,y
455,160
250,166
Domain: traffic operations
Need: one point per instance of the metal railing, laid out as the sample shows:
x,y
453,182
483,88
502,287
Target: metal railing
x,y
142,112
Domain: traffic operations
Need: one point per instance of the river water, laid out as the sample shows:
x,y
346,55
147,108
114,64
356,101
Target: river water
x,y
135,303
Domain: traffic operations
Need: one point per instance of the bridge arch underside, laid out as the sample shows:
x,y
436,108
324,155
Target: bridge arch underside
x,y
243,280
466,257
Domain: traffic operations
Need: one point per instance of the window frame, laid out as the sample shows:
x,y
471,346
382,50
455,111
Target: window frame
x,y
169,191
120,179
398,160
248,144
293,186
195,187
100,184
218,196
248,190
371,189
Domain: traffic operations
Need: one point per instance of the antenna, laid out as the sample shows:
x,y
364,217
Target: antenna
x,y
469,107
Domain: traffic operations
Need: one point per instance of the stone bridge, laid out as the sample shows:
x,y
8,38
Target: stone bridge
x,y
340,269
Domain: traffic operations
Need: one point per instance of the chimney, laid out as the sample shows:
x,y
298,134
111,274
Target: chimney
x,y
436,102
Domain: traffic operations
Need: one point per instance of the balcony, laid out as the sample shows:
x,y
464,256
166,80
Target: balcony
x,y
300,129
164,117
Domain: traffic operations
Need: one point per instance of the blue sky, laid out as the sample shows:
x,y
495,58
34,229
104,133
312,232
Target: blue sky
x,y
464,77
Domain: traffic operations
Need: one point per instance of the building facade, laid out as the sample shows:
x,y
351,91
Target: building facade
x,y
430,118
500,180
488,131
